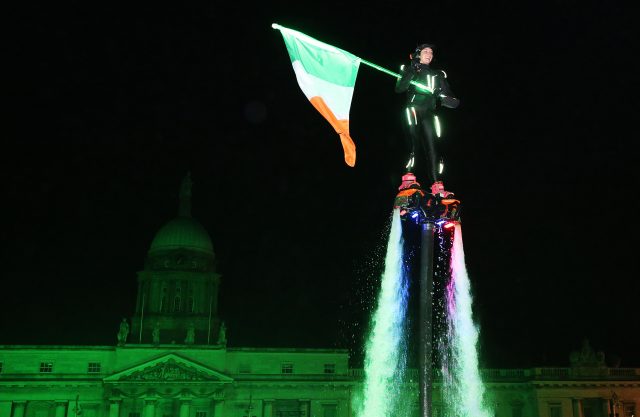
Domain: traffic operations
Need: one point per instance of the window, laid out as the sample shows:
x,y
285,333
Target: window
x,y
94,367
555,410
592,407
287,368
629,408
329,368
516,410
249,411
287,408
46,367
191,305
177,299
329,410
0,367
201,414
163,300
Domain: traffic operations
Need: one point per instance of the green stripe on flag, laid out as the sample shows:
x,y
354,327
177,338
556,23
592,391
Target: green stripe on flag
x,y
321,60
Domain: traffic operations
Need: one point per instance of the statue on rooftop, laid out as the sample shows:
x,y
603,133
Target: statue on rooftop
x,y
155,333
191,334
586,356
123,333
222,334
184,209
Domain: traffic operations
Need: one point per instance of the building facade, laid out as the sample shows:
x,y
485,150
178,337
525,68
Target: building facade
x,y
172,360
172,380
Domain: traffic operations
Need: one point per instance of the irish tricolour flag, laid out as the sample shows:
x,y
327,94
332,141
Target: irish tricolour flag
x,y
326,75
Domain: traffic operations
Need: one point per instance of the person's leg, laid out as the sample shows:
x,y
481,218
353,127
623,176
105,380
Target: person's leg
x,y
429,145
412,135
438,144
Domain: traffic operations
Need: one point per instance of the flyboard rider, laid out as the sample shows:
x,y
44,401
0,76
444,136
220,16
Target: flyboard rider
x,y
422,127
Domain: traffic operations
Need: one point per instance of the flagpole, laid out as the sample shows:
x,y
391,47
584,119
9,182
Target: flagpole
x,y
386,71
379,68
364,61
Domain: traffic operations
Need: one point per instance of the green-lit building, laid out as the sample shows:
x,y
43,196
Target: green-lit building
x,y
172,360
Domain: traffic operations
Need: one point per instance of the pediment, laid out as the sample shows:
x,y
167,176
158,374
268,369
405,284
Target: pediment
x,y
169,368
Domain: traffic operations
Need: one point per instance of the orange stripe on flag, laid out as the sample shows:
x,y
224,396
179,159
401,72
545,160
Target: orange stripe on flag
x,y
341,127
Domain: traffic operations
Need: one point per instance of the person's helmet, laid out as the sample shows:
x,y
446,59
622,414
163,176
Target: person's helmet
x,y
415,55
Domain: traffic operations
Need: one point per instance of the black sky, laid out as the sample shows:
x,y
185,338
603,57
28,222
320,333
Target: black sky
x,y
110,106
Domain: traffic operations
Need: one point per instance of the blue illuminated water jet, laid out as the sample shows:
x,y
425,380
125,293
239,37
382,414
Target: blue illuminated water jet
x,y
385,387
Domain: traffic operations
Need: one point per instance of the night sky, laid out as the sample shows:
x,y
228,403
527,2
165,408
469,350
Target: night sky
x,y
110,106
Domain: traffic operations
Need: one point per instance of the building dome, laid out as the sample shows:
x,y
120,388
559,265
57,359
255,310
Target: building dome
x,y
182,233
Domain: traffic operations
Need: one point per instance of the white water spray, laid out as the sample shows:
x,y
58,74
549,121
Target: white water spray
x,y
384,362
384,386
462,385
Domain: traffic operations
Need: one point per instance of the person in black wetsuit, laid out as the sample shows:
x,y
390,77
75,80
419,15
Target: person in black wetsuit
x,y
423,102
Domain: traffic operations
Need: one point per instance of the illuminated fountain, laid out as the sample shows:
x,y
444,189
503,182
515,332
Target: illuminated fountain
x,y
448,337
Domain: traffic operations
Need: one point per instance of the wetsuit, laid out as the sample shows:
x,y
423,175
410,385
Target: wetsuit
x,y
421,118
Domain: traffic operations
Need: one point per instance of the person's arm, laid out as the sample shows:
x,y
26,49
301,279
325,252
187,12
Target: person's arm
x,y
406,75
445,95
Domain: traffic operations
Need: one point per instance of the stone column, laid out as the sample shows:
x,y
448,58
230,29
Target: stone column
x,y
18,408
218,406
114,407
607,407
185,407
5,408
576,404
61,408
149,407
268,408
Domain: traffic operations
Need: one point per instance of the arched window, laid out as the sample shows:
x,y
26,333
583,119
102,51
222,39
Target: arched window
x,y
191,302
177,301
163,301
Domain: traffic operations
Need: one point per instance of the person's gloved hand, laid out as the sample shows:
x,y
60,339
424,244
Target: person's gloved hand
x,y
449,102
408,68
